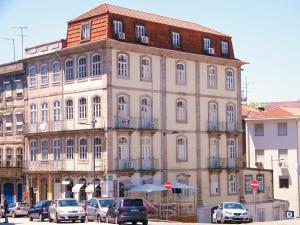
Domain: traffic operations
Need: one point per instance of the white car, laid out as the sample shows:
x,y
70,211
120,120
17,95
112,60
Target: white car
x,y
232,212
66,210
97,208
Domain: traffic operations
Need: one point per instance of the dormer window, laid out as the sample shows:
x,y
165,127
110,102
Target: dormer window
x,y
118,27
206,44
140,31
176,39
224,48
85,31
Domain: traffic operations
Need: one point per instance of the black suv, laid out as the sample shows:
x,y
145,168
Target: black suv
x,y
127,210
39,210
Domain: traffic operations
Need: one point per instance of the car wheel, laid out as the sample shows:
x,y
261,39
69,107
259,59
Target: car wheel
x,y
73,221
82,220
134,223
30,218
145,222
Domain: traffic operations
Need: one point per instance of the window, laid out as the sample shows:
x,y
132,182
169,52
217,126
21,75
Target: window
x,y
282,155
44,112
283,182
33,150
224,48
123,148
214,185
96,106
98,148
122,65
183,179
82,73
19,157
259,156
32,77
96,65
33,113
231,150
19,88
260,215
259,129
85,31
229,80
212,77
146,69
56,72
282,129
230,114
69,70
232,184
180,73
69,109
9,157
123,107
44,74
82,108
8,123
19,122
56,149
70,148
181,149
8,90
44,150
248,180
261,183
118,27
140,31
206,44
1,157
176,39
56,111
181,111
82,148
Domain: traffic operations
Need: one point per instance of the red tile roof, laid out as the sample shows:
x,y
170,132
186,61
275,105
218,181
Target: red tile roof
x,y
276,113
108,8
247,111
290,104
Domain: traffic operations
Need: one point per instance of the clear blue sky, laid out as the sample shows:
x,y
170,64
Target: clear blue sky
x,y
265,33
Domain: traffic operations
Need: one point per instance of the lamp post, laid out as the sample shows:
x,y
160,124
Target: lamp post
x,y
93,122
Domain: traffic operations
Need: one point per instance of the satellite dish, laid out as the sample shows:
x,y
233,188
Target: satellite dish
x,y
298,168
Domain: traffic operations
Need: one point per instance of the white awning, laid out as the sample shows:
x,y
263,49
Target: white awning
x,y
90,189
65,182
76,188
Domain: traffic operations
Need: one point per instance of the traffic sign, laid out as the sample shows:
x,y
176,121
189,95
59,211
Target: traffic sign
x,y
289,214
254,184
168,185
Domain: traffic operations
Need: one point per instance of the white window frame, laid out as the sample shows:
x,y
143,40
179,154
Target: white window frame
x,y
82,108
8,89
140,31
181,110
232,184
32,77
44,74
224,47
9,123
123,65
98,148
85,31
33,149
118,27
146,71
214,185
56,111
229,79
44,150
206,44
212,77
44,112
19,88
83,148
56,72
96,65
19,122
180,73
176,42
70,148
248,179
261,183
96,106
56,149
33,115
82,67
69,70
181,145
69,109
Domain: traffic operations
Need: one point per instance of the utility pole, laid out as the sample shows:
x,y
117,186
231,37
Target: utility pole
x,y
13,41
22,36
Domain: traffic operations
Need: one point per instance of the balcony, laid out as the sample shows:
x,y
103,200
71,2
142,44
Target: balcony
x,y
126,122
148,124
233,127
11,171
223,127
149,164
126,164
223,163
137,164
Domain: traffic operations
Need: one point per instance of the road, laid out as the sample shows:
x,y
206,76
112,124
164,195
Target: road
x,y
25,221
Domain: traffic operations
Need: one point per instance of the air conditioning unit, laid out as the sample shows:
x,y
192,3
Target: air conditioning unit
x,y
130,165
259,164
152,126
121,36
211,51
145,39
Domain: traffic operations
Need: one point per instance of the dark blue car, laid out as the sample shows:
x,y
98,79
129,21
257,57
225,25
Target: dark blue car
x,y
39,210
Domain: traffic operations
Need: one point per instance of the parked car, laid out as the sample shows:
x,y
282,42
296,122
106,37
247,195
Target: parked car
x,y
66,210
232,212
39,210
97,208
18,209
127,210
83,203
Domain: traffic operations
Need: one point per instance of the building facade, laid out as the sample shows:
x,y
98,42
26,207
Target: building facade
x,y
12,97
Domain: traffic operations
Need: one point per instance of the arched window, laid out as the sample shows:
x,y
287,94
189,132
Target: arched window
x,y
69,71
232,158
181,149
147,161
123,106
213,116
98,148
214,160
183,179
212,77
33,113
232,184
69,109
122,65
180,73
229,80
32,77
96,106
44,74
56,149
82,108
123,148
146,69
56,111
230,114
83,148
33,150
44,150
56,72
82,73
181,111
96,65
44,117
146,113
70,148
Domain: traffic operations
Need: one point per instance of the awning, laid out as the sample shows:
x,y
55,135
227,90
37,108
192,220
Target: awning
x,y
177,185
90,189
65,182
147,188
76,188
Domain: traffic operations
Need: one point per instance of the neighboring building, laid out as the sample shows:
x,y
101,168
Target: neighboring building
x,y
273,143
12,96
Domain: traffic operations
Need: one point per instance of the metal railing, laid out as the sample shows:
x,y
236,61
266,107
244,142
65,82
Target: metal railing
x,y
126,122
137,164
223,126
148,124
149,164
224,163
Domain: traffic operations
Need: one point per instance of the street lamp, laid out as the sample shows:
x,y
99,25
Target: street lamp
x,y
93,122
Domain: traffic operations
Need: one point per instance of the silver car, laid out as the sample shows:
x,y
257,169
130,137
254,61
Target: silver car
x,y
97,208
232,212
66,210
18,209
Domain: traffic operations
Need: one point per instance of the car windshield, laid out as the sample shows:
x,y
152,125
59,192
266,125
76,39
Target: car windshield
x,y
133,202
233,206
47,203
105,202
65,203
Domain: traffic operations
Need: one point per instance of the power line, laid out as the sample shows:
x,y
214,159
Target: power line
x,y
22,35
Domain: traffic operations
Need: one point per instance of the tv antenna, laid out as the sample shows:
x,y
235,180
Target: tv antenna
x,y
22,35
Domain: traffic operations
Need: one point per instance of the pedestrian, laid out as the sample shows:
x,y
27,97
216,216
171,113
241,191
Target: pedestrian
x,y
5,206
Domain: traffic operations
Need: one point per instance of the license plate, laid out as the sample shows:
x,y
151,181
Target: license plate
x,y
134,210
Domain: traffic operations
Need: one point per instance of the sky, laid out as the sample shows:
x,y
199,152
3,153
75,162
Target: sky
x,y
264,33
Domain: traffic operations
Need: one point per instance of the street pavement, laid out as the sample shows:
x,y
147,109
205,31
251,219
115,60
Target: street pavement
x,y
25,221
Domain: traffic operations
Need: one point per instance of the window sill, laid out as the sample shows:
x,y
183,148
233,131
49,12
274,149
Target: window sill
x,y
85,40
181,160
123,77
98,77
46,161
83,161
69,81
181,121
213,88
146,80
33,87
82,80
8,99
56,83
44,85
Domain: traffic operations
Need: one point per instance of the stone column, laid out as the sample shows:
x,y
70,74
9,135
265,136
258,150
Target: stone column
x,y
50,189
38,187
15,190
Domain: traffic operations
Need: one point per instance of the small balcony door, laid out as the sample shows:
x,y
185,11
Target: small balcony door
x,y
146,154
230,118
213,116
214,159
123,153
123,118
232,159
146,113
